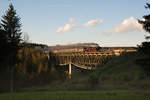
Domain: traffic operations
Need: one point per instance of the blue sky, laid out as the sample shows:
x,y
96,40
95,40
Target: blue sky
x,y
108,23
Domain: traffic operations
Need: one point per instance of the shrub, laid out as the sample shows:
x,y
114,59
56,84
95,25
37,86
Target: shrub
x,y
93,79
141,75
144,47
144,64
125,78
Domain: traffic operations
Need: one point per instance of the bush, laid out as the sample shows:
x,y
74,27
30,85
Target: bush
x,y
104,77
144,47
144,64
125,78
141,75
93,79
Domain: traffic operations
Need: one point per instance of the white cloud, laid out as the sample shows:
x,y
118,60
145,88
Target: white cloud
x,y
66,28
93,22
71,20
70,27
128,25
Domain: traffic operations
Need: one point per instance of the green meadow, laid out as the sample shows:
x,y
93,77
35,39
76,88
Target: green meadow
x,y
79,95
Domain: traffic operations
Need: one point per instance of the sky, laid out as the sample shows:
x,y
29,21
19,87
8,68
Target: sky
x,y
106,22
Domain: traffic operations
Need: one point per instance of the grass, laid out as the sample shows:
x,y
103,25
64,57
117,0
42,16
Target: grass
x,y
79,95
124,65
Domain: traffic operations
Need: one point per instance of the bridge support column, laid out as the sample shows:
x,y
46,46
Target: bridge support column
x,y
70,69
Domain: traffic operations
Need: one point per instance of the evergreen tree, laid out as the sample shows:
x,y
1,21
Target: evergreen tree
x,y
12,28
3,43
145,46
146,21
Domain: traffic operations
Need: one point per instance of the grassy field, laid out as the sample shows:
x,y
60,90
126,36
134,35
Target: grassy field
x,y
79,95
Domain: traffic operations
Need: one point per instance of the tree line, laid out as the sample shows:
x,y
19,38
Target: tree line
x,y
22,64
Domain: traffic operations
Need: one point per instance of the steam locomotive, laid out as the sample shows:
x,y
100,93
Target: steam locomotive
x,y
92,49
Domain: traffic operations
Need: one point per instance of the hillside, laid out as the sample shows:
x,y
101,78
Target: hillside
x,y
124,72
125,66
120,73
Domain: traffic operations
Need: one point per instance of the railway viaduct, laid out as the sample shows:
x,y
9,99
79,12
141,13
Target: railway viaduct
x,y
87,61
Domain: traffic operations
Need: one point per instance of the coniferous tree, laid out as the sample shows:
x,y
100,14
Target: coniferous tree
x,y
145,46
3,51
3,44
12,28
146,21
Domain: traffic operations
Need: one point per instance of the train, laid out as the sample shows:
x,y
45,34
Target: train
x,y
92,49
79,50
76,48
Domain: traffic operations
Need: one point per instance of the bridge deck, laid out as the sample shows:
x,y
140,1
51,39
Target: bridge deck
x,y
77,65
85,54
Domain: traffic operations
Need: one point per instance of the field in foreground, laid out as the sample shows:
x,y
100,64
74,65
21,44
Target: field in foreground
x,y
79,95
